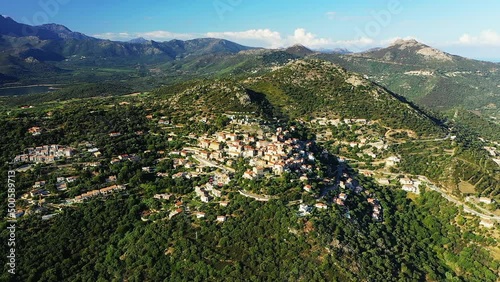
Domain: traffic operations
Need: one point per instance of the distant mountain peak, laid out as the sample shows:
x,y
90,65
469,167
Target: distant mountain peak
x,y
56,27
139,40
373,49
341,51
401,49
5,19
410,42
299,50
422,50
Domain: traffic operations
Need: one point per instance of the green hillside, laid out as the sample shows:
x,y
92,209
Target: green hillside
x,y
318,88
428,76
131,236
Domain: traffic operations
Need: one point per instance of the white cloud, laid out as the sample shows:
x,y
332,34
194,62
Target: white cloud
x,y
483,45
487,37
301,36
272,39
158,35
161,35
331,15
310,40
466,39
114,36
255,37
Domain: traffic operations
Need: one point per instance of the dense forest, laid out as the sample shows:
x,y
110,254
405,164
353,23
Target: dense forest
x,y
420,240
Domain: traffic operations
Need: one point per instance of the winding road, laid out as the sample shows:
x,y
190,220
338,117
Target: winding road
x,y
457,202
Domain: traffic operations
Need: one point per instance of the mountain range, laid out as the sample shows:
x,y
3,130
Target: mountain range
x,y
53,38
52,53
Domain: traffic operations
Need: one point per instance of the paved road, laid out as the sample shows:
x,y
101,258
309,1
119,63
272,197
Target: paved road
x,y
212,164
459,203
23,168
485,214
205,161
260,198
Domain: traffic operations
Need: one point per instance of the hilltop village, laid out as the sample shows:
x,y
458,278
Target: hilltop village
x,y
236,160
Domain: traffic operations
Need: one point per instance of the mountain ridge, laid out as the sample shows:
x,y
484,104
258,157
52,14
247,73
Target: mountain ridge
x,y
428,76
421,73
70,43
401,50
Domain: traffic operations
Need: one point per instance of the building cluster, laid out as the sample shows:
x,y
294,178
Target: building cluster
x,y
45,154
98,192
35,130
349,185
392,161
306,209
62,182
207,192
163,196
273,152
494,153
407,184
347,182
95,152
483,200
377,208
39,189
410,185
125,157
367,144
179,207
242,119
337,122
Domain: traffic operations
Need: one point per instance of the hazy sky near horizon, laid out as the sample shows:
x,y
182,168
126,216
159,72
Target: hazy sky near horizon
x,y
462,27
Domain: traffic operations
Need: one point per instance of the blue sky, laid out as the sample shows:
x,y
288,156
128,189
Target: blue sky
x,y
457,26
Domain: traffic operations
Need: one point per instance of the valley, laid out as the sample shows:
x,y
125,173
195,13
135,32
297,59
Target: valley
x,y
24,90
